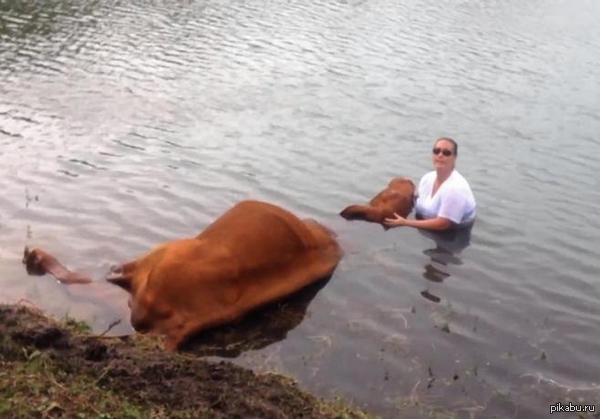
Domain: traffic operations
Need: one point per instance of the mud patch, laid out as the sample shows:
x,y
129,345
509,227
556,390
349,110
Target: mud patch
x,y
137,374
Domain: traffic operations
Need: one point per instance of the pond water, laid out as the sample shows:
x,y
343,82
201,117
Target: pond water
x,y
125,124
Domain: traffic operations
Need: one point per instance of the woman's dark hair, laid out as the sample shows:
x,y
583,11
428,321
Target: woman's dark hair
x,y
451,141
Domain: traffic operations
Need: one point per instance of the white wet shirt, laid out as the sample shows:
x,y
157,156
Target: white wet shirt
x,y
453,200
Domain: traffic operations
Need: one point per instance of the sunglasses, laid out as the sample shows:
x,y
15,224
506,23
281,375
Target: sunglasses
x,y
444,151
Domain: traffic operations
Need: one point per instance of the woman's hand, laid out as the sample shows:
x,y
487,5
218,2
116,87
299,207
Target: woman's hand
x,y
396,221
438,223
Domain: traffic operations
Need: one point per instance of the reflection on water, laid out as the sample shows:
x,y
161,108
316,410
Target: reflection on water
x,y
448,247
260,328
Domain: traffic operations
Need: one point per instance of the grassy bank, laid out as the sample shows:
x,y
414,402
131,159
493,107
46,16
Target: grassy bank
x,y
57,369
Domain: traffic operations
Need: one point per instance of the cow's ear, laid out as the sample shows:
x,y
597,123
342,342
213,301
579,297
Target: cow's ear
x,y
123,281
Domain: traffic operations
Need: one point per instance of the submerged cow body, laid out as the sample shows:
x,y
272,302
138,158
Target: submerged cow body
x,y
397,197
254,254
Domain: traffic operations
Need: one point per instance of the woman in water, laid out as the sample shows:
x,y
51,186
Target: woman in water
x,y
444,199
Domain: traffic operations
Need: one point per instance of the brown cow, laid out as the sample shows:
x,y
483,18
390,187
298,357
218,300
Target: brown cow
x,y
254,254
397,197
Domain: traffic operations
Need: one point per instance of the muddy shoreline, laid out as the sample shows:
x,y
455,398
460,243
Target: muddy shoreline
x,y
53,368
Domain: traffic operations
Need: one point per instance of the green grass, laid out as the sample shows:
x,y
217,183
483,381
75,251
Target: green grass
x,y
32,387
45,372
